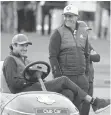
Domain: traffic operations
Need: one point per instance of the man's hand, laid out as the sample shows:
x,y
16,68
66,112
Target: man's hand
x,y
94,56
93,52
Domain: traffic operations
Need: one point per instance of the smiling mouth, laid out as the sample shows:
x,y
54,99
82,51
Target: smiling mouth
x,y
24,51
68,23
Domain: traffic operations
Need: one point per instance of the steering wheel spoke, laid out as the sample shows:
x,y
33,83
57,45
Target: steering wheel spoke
x,y
38,70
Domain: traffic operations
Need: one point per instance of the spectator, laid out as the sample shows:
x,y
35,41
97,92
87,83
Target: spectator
x,y
21,15
46,11
104,24
7,16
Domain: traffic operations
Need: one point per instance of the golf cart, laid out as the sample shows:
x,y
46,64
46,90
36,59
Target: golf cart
x,y
34,102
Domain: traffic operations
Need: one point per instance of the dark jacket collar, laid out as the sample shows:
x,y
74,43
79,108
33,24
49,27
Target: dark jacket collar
x,y
15,54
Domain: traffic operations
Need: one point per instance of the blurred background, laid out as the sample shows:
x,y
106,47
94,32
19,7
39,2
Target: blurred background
x,y
43,17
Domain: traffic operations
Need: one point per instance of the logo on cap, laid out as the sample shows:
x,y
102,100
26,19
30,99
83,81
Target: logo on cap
x,y
81,36
68,8
71,10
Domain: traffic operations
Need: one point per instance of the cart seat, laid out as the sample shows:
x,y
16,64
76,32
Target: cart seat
x,y
3,85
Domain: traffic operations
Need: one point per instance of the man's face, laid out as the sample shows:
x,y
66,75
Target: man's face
x,y
70,20
20,49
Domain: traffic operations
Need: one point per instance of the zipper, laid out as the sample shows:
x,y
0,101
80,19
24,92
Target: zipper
x,y
77,56
75,42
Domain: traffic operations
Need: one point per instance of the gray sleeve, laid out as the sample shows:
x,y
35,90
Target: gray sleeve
x,y
54,49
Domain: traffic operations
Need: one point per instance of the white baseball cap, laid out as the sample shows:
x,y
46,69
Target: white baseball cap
x,y
70,9
21,39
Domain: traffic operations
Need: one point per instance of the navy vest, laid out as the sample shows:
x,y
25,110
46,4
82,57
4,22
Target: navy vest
x,y
71,58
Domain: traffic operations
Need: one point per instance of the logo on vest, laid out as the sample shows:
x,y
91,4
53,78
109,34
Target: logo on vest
x,y
81,36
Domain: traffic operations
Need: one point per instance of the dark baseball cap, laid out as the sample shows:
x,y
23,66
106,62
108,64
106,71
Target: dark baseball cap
x,y
21,39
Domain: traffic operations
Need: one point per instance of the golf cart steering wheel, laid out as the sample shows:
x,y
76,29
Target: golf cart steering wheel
x,y
33,67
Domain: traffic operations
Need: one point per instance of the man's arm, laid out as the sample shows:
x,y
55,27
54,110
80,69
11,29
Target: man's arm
x,y
54,49
13,79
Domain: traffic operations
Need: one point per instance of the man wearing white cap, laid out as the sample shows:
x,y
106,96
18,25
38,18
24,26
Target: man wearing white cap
x,y
67,53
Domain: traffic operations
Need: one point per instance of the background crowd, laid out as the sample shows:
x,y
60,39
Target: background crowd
x,y
45,16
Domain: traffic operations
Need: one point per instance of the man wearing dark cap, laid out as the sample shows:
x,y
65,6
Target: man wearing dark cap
x,y
15,63
68,53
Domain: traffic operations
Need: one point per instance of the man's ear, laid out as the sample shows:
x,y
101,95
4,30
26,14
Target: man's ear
x,y
14,45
